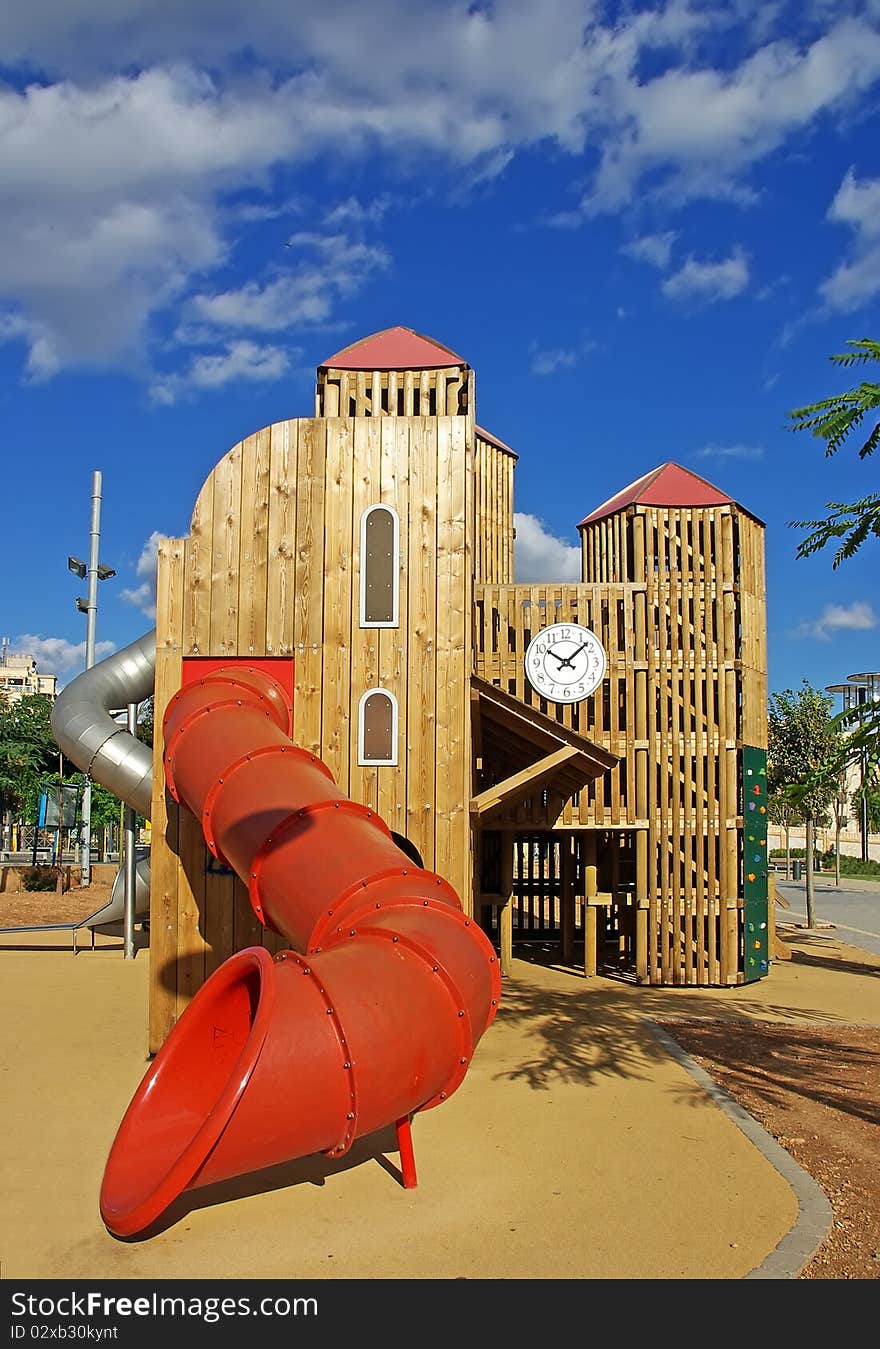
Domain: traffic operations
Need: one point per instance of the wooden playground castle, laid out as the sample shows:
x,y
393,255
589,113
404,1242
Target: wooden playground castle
x,y
365,556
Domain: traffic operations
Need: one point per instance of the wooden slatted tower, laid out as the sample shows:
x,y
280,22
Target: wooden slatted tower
x,y
365,556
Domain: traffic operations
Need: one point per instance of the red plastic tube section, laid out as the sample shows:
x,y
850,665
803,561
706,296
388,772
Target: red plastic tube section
x,y
372,1015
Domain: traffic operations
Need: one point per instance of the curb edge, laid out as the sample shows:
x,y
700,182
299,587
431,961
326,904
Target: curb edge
x,y
815,1213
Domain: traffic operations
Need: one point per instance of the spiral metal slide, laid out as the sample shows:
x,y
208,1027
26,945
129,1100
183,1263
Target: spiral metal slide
x,y
372,1015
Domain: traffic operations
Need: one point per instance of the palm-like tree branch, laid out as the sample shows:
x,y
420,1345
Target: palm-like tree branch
x,y
834,420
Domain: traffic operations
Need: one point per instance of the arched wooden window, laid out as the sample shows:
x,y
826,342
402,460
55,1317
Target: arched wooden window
x,y
380,559
377,727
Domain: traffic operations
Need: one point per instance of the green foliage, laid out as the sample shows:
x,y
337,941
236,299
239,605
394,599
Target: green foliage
x,y
105,806
804,743
849,866
854,866
27,749
781,810
39,878
833,420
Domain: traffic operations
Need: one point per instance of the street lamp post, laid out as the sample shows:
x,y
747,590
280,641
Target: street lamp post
x,y
858,691
95,571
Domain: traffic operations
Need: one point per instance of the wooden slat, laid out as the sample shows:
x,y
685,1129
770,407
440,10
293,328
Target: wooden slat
x,y
309,577
532,776
339,579
198,548
420,712
282,538
226,554
164,812
254,545
454,617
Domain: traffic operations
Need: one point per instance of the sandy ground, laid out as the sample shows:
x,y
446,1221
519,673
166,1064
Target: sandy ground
x,y
575,1149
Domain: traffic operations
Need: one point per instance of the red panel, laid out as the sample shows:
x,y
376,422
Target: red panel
x,y
394,349
279,668
668,485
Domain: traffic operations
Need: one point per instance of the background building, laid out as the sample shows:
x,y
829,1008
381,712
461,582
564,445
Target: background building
x,y
19,676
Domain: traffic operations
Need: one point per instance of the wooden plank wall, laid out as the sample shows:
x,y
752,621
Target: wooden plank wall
x,y
271,567
753,620
506,618
677,599
493,498
402,393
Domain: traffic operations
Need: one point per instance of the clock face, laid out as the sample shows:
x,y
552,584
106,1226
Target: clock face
x,y
565,662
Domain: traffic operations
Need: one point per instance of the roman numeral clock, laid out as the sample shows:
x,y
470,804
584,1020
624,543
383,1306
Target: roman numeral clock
x,y
565,662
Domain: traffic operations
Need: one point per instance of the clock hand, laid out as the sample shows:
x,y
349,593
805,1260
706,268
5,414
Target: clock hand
x,y
569,660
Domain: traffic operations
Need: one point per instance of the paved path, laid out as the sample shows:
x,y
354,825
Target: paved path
x,y
853,911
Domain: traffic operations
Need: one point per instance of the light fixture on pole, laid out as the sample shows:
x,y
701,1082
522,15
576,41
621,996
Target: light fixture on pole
x,y
94,571
858,691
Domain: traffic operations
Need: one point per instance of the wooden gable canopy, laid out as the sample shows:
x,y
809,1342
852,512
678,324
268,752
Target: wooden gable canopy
x,y
528,749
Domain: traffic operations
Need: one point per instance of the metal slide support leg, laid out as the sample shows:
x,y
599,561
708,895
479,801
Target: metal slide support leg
x,y
407,1156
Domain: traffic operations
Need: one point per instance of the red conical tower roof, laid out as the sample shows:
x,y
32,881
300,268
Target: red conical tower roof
x,y
668,485
393,349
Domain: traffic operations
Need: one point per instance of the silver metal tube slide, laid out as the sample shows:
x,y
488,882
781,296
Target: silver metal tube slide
x,y
87,734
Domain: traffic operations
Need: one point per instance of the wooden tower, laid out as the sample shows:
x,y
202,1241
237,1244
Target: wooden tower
x,y
365,557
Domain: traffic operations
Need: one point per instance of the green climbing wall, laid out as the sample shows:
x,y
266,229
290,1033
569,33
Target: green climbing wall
x,y
756,952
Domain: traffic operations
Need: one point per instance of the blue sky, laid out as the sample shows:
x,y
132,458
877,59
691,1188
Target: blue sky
x,y
646,226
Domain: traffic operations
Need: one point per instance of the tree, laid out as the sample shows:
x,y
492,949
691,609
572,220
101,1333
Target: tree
x,y
839,807
833,420
27,752
804,740
785,813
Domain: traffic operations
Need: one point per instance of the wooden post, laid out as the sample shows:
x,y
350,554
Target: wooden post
x,y
567,900
642,941
618,905
505,916
642,901
591,887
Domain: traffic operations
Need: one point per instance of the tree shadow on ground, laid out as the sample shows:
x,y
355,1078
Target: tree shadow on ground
x,y
772,1060
583,1030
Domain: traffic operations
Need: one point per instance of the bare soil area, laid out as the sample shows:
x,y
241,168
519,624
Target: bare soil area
x,y
34,907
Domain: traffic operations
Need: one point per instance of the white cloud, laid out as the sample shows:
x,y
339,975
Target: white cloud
x,y
655,249
856,280
702,129
242,360
143,596
858,617
554,360
706,282
540,556
730,452
307,294
118,169
58,656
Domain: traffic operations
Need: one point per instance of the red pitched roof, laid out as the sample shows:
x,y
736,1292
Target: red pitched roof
x,y
493,440
393,349
668,485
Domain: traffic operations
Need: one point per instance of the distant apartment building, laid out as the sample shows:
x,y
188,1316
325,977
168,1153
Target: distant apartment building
x,y
19,676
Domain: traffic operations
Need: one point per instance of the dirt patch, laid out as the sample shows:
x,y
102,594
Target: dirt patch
x,y
36,907
816,1090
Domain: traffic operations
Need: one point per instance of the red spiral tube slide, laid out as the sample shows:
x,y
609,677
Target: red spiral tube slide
x,y
373,1015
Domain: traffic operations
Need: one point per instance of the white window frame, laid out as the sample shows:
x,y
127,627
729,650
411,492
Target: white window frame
x,y
363,761
394,621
